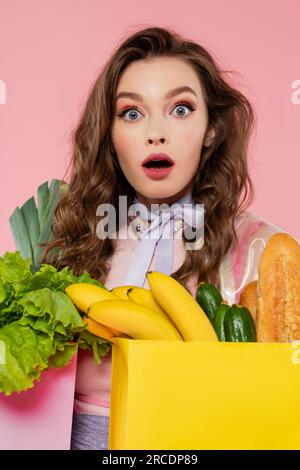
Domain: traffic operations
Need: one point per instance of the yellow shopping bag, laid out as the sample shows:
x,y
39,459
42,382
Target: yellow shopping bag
x,y
204,395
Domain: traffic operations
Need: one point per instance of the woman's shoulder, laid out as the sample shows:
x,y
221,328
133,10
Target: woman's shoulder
x,y
241,263
251,225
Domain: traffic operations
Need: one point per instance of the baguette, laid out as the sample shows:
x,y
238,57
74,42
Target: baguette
x,y
278,312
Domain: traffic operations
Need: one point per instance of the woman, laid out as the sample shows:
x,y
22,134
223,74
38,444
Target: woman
x,y
158,93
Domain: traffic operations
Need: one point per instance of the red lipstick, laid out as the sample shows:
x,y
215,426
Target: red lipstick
x,y
158,165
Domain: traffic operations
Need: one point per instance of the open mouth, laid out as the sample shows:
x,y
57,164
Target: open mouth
x,y
158,164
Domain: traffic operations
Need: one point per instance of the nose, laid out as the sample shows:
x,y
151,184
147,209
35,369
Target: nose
x,y
156,140
156,131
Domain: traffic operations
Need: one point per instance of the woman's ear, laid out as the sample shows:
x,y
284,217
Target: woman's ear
x,y
209,136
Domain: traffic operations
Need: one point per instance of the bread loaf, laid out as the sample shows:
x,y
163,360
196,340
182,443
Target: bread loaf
x,y
278,309
248,298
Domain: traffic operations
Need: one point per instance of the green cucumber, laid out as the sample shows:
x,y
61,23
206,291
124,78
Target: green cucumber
x,y
239,325
209,299
219,320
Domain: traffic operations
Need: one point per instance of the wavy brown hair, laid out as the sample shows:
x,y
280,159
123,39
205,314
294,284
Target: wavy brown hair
x,y
221,183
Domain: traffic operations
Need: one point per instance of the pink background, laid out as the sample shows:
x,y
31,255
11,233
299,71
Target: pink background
x,y
51,52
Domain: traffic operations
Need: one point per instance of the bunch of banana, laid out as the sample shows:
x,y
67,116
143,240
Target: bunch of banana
x,y
110,316
167,311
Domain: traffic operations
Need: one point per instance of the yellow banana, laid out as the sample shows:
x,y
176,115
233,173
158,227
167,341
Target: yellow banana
x,y
181,307
84,294
144,297
100,330
133,319
121,292
97,329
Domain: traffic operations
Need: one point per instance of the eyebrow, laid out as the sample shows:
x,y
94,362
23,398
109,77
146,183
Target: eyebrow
x,y
169,94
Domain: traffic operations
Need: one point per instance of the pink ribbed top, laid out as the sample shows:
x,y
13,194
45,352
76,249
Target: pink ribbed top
x,y
239,267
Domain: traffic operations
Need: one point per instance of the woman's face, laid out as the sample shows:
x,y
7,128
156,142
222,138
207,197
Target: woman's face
x,y
155,123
